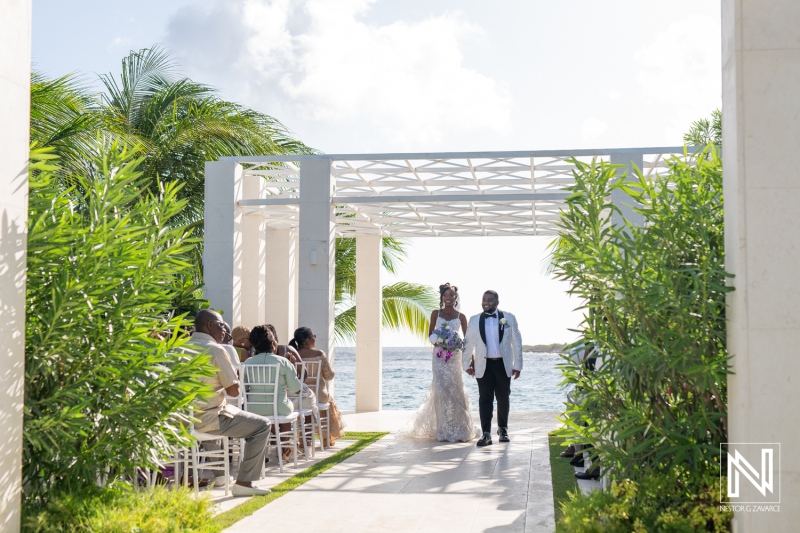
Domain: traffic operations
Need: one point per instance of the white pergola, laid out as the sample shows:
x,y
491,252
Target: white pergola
x,y
271,224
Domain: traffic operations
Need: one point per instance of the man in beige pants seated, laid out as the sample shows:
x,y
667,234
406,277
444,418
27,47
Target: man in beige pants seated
x,y
216,416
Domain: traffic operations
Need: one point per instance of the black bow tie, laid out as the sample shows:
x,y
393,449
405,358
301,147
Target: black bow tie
x,y
489,315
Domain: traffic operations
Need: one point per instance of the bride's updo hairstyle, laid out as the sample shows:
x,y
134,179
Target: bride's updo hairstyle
x,y
443,289
262,338
301,337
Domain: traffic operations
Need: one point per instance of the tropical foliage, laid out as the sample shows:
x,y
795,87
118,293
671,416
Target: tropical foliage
x,y
177,125
660,502
405,305
174,125
119,509
654,297
704,131
66,119
104,393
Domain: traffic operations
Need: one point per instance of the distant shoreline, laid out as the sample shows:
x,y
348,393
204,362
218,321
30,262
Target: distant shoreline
x,y
539,348
544,348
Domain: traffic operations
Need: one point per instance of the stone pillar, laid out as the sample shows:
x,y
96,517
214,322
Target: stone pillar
x,y
15,77
316,257
281,281
761,133
369,299
222,253
620,198
253,286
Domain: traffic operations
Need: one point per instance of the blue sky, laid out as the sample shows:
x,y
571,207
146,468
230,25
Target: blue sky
x,y
356,76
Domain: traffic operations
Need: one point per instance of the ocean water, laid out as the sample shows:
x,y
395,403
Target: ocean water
x,y
407,376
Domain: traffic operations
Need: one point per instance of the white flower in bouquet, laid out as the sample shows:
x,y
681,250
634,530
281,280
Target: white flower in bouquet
x,y
447,342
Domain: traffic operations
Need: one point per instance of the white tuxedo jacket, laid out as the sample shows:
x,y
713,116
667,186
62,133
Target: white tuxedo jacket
x,y
510,344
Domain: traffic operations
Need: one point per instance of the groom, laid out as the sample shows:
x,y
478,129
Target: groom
x,y
492,354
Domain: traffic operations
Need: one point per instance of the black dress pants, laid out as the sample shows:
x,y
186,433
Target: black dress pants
x,y
495,383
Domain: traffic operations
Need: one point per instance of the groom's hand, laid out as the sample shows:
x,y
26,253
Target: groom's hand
x,y
515,374
471,371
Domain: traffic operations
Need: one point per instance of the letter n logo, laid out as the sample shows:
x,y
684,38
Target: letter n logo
x,y
753,463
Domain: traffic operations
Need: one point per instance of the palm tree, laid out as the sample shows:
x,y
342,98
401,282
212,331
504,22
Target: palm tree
x,y
176,125
64,118
179,124
404,305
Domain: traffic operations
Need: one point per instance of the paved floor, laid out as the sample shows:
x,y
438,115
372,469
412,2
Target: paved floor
x,y
417,485
224,503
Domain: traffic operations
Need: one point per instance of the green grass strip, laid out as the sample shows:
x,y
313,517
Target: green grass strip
x,y
255,503
563,474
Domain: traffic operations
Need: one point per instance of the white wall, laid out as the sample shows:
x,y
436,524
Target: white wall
x,y
761,135
15,63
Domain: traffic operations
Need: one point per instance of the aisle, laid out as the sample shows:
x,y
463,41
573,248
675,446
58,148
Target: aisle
x,y
403,484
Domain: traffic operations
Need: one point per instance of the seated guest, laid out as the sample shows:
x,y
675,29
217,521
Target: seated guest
x,y
227,344
216,416
305,399
241,341
283,350
265,344
305,343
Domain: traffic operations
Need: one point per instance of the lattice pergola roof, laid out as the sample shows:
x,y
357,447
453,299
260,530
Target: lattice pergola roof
x,y
439,194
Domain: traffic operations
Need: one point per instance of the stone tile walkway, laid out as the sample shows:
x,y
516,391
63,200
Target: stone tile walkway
x,y
402,484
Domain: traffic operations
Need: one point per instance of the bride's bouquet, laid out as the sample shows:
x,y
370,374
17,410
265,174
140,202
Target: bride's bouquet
x,y
446,340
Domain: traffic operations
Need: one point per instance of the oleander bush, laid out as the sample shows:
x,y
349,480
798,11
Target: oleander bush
x,y
654,296
120,509
656,503
104,391
654,408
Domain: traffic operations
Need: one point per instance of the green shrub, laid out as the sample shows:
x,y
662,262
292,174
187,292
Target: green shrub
x,y
121,510
658,503
103,394
655,301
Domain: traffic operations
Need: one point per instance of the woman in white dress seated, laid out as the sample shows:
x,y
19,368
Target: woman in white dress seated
x,y
445,413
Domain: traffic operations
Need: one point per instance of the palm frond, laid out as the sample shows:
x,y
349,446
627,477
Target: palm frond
x,y
405,306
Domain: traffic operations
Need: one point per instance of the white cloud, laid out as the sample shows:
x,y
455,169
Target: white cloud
x,y
404,82
119,43
679,71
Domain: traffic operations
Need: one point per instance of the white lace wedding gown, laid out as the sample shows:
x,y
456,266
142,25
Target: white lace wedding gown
x,y
445,413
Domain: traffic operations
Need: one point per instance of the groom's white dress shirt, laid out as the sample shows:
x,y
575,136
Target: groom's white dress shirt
x,y
510,350
492,338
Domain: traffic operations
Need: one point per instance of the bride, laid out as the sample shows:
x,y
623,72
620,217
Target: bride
x,y
445,413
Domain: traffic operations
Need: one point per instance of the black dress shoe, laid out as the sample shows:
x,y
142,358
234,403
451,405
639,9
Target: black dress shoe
x,y
569,452
594,474
486,440
577,460
503,433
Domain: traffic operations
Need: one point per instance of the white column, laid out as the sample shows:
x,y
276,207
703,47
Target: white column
x,y
15,77
621,199
761,133
222,253
369,299
253,286
316,261
281,282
